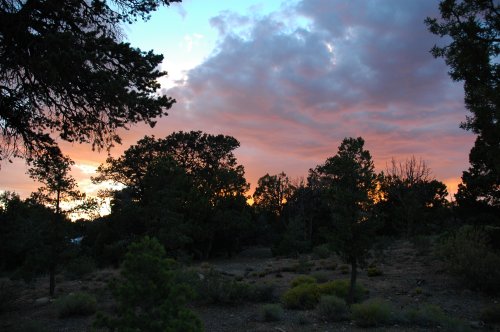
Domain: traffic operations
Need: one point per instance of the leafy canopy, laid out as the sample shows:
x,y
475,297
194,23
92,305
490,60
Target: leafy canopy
x,y
64,69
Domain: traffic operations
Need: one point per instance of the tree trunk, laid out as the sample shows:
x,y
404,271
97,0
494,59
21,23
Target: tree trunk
x,y
52,279
354,272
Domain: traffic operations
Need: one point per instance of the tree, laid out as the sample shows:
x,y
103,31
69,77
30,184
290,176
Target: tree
x,y
412,197
216,182
149,299
349,182
65,69
472,55
272,193
52,171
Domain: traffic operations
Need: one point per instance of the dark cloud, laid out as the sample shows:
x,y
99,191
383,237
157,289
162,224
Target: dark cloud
x,y
290,93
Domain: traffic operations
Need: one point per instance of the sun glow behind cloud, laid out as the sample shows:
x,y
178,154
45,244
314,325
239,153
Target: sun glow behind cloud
x,y
290,80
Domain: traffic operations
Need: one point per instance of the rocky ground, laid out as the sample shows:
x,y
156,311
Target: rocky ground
x,y
411,276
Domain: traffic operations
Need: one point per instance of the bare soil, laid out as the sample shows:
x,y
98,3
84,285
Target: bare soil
x,y
411,276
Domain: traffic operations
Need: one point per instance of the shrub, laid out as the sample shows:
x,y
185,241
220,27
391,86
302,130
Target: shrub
x,y
374,271
264,292
340,288
271,312
430,315
147,296
372,312
303,296
76,304
333,308
302,280
491,314
468,255
79,267
214,288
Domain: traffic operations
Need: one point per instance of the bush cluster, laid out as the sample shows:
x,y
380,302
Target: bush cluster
x,y
333,308
271,312
372,312
76,304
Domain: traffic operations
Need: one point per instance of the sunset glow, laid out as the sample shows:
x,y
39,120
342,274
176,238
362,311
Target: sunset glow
x,y
290,80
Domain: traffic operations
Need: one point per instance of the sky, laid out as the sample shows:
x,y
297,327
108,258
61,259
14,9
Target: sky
x,y
291,79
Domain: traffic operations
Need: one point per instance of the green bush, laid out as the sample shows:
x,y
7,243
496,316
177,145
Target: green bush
x,y
469,255
374,271
76,304
263,292
214,288
332,308
147,296
372,312
491,314
430,315
303,296
79,267
320,276
340,288
271,312
302,280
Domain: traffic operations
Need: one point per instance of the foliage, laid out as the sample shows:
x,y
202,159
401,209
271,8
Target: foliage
x,y
472,28
147,296
322,251
215,288
430,316
374,271
272,192
491,314
65,68
303,296
412,199
333,308
469,255
372,312
76,304
303,279
340,288
321,276
350,183
271,312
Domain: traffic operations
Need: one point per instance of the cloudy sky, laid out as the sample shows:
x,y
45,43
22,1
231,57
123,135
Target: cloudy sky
x,y
291,79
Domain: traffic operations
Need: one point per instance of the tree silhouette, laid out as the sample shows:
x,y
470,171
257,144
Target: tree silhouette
x,y
472,55
349,182
64,69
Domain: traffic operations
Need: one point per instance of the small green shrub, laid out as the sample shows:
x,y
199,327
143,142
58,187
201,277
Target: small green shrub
x,y
374,271
372,312
215,288
271,312
79,267
322,251
491,314
332,308
303,279
340,288
76,304
303,296
320,276
303,265
430,315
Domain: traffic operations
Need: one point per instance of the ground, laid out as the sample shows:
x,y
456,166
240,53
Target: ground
x,y
411,276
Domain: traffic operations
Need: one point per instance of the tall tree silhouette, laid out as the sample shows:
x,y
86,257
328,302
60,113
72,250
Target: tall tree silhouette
x,y
472,55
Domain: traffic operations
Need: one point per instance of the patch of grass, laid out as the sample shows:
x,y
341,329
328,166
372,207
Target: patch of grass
x,y
491,314
340,288
302,279
271,312
303,296
333,308
77,304
372,312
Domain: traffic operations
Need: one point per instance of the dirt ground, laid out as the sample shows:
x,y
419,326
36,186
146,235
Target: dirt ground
x,y
411,276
